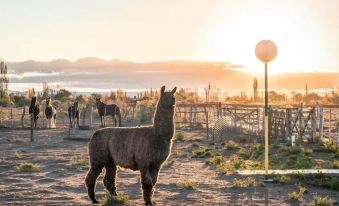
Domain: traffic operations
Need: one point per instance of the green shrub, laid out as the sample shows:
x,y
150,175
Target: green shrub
x,y
201,153
322,201
335,164
109,199
282,179
180,137
28,167
297,195
232,145
186,184
308,152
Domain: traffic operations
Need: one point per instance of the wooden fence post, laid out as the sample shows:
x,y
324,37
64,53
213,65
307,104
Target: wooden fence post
x,y
258,116
329,126
11,114
207,124
32,125
313,123
22,117
321,123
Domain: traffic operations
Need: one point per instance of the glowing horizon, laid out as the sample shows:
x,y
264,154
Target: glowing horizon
x,y
306,33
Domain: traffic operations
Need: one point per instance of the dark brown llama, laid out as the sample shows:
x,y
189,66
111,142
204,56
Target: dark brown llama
x,y
136,148
50,113
34,110
108,110
73,115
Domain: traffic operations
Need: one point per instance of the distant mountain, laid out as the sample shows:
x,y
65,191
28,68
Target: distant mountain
x,y
102,74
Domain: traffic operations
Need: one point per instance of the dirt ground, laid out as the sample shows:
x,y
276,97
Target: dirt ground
x,y
61,179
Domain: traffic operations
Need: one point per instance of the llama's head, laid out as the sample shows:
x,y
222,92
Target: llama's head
x,y
167,99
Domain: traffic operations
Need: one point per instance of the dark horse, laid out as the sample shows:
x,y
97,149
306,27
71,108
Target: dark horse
x,y
108,110
73,115
34,110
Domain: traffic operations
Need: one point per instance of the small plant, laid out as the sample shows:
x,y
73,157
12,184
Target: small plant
x,y
308,152
78,161
247,182
232,145
297,195
28,167
282,179
18,154
109,199
186,184
238,183
179,137
331,146
201,153
335,164
322,201
251,182
217,160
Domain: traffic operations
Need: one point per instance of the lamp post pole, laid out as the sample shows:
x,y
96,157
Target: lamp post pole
x,y
266,121
266,51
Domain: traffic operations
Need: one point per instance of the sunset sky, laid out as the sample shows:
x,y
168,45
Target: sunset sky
x,y
306,32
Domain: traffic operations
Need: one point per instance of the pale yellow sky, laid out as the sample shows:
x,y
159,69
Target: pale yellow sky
x,y
306,32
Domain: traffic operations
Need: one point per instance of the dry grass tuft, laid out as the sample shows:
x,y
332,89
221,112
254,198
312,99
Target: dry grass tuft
x,y
28,167
186,184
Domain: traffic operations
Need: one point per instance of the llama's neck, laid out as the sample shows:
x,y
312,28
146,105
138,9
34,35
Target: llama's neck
x,y
163,124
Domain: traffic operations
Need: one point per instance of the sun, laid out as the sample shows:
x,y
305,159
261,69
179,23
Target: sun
x,y
235,39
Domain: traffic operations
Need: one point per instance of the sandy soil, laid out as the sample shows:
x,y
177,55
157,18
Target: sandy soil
x,y
61,179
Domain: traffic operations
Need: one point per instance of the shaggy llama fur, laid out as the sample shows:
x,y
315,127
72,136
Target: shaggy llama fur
x,y
136,148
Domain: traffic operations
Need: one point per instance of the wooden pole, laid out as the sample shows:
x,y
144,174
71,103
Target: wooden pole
x,y
11,114
22,117
32,125
321,123
329,127
207,125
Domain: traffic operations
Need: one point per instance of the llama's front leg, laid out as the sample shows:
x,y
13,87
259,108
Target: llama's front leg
x,y
147,187
90,180
109,179
154,174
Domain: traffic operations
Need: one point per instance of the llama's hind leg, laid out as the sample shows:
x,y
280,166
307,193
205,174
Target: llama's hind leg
x,y
90,180
147,187
109,179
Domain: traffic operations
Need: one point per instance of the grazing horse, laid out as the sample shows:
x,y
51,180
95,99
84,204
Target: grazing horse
x,y
34,110
108,110
50,113
73,115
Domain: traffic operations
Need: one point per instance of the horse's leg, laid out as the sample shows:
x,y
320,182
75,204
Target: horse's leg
x,y
90,181
109,179
147,186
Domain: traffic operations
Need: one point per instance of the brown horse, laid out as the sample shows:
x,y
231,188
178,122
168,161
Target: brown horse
x,y
73,115
108,110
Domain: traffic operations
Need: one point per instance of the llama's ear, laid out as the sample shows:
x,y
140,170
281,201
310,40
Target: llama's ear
x,y
162,89
174,90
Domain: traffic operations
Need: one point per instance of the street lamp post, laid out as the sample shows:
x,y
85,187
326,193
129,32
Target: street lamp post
x,y
266,51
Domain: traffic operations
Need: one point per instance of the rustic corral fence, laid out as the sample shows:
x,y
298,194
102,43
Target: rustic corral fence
x,y
219,121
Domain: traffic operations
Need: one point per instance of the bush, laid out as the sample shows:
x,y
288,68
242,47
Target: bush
x,y
27,167
297,195
109,199
186,184
322,201
232,145
202,153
